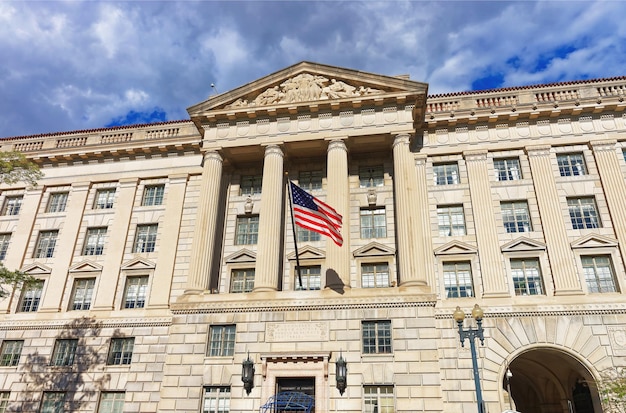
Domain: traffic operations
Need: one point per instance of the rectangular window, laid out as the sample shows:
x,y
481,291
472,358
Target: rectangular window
x,y
583,212
10,352
250,185
599,274
53,402
31,296
310,180
111,402
145,238
457,279
371,176
153,195
571,164
12,205
216,400
446,174
247,231
374,275
242,281
311,278
64,351
373,223
94,241
4,401
104,198
306,235
378,399
507,169
515,216
222,341
451,220
121,351
57,202
45,244
4,245
526,276
82,293
135,292
376,337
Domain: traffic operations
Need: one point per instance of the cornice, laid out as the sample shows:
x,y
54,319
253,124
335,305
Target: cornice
x,y
545,311
97,323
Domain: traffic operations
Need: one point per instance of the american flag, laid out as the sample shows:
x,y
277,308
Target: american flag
x,y
313,214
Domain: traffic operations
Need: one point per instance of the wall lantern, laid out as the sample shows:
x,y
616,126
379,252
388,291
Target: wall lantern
x,y
247,374
341,373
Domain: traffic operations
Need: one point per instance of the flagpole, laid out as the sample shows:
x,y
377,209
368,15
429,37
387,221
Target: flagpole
x,y
293,228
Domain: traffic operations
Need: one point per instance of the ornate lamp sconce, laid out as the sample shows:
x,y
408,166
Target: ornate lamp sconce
x,y
247,374
341,373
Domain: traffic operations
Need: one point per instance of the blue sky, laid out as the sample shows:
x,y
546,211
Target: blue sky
x,y
73,65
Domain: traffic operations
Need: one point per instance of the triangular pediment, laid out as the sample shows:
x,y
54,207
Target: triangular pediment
x,y
243,255
85,266
523,244
374,249
455,248
307,253
594,241
36,269
138,264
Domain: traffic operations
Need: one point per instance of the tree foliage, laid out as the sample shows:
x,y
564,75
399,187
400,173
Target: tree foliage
x,y
612,390
15,167
14,279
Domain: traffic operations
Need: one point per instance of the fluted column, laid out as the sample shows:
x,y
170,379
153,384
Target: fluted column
x,y
426,259
411,248
560,255
338,197
489,255
267,269
206,221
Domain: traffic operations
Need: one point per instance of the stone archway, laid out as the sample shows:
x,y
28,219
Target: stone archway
x,y
548,380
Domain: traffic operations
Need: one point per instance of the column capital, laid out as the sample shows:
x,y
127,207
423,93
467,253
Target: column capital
x,y
212,155
475,155
274,149
607,145
538,150
401,139
337,144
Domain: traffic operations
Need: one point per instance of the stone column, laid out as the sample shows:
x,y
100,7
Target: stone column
x,y
338,197
560,255
267,268
411,234
491,264
206,221
426,259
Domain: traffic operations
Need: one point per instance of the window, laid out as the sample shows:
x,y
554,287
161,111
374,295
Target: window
x,y
378,399
45,244
153,195
374,275
4,401
451,220
311,278
526,276
57,202
250,185
145,238
111,402
94,241
306,235
571,164
457,279
515,216
310,180
242,281
507,169
446,174
82,293
222,341
104,198
247,231
64,351
10,352
216,400
583,212
376,337
53,402
371,176
599,274
12,205
135,292
121,351
4,245
31,296
373,223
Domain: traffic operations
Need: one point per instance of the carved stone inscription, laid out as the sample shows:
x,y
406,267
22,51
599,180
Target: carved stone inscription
x,y
285,332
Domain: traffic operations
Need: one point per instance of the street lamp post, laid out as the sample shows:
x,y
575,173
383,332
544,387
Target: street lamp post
x,y
471,334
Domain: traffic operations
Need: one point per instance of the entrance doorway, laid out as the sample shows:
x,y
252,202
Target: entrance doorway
x,y
304,385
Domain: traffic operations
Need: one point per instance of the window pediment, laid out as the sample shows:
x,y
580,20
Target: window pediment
x,y
523,244
85,266
36,269
456,248
138,264
374,249
594,241
307,253
243,255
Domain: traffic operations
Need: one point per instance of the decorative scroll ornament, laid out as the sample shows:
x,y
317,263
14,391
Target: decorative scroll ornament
x,y
305,87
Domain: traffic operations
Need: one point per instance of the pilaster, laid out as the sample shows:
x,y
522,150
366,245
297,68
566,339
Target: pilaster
x,y
426,259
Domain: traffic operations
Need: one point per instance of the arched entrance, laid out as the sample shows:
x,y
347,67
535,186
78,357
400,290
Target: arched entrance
x,y
547,380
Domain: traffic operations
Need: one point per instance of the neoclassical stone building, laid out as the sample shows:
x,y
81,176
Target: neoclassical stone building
x,y
166,255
